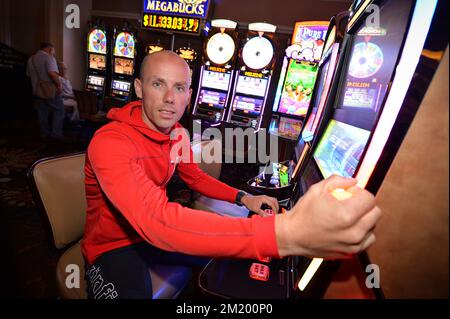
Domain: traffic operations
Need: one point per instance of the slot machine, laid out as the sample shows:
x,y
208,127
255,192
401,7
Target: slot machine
x,y
253,76
278,181
325,77
297,79
123,64
97,52
216,73
371,105
361,132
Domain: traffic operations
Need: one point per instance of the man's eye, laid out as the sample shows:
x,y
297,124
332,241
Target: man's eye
x,y
181,88
156,84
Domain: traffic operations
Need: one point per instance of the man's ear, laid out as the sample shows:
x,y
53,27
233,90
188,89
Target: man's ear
x,y
138,88
188,105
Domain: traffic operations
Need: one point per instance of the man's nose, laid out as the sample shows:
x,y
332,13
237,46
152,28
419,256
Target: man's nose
x,y
169,96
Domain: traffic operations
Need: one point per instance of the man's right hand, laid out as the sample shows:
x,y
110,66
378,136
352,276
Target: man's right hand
x,y
320,225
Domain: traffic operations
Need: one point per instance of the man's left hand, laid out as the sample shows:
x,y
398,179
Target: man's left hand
x,y
254,203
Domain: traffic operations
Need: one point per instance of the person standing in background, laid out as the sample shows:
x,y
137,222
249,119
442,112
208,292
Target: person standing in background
x,y
42,67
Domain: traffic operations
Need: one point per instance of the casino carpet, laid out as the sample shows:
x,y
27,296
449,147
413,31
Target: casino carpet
x,y
29,267
31,264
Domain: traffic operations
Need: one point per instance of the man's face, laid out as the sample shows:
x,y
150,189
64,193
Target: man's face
x,y
164,91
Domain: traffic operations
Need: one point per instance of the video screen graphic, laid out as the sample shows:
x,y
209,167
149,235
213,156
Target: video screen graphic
x,y
251,85
367,59
97,62
373,56
340,149
96,80
297,88
121,86
124,46
216,80
123,66
212,98
289,128
247,104
359,97
97,41
311,39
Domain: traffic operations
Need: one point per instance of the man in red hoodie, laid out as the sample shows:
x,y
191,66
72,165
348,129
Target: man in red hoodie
x,y
130,223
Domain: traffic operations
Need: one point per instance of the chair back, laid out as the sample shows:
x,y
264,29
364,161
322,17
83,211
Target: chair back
x,y
87,103
58,188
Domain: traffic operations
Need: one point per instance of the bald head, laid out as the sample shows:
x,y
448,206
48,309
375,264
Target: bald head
x,y
165,56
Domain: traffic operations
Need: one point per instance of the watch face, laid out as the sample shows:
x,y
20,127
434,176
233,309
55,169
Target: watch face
x,y
257,53
220,48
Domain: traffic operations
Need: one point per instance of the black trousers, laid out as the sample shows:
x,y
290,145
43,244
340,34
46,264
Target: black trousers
x,y
123,272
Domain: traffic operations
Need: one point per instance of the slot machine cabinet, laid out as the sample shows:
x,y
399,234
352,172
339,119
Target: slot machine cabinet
x,y
358,137
269,181
253,76
322,90
216,73
123,64
297,79
371,110
97,58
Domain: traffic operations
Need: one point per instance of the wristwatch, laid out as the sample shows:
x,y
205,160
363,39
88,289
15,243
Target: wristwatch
x,y
239,196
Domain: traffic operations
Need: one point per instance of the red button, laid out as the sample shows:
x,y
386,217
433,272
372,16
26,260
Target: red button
x,y
259,272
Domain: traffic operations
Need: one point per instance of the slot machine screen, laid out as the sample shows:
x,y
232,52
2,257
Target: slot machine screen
x,y
252,86
121,86
319,97
340,149
97,62
216,80
97,41
371,65
212,98
289,128
96,80
123,66
297,88
125,45
248,104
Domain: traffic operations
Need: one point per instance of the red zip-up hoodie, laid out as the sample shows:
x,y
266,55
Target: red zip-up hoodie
x,y
127,168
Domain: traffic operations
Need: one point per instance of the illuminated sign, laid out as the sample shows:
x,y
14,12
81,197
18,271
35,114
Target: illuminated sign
x,y
187,8
170,23
188,54
253,74
152,48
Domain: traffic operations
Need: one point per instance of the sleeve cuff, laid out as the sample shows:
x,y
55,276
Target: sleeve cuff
x,y
265,239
